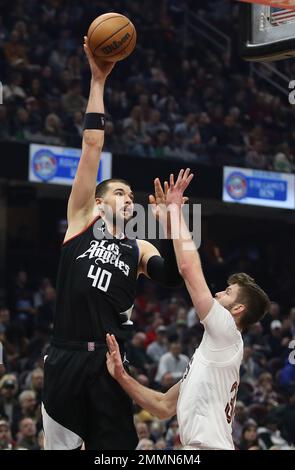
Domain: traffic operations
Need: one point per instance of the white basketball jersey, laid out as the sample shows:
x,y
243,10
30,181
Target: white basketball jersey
x,y
209,386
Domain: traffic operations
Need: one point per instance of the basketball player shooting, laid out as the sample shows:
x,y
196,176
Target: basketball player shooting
x,y
96,288
204,400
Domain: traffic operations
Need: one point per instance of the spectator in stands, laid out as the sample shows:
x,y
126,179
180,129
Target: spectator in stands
x,y
145,444
53,130
270,435
171,366
286,414
136,353
241,416
256,340
249,437
273,314
27,436
40,292
9,408
15,344
45,312
28,404
158,348
4,320
6,442
264,392
23,296
281,163
16,51
73,101
275,339
34,382
142,430
250,370
286,375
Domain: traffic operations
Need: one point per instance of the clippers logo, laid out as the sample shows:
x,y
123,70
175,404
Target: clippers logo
x,y
236,186
44,165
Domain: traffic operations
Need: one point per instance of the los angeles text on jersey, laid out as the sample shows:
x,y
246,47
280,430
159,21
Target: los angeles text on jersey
x,y
106,254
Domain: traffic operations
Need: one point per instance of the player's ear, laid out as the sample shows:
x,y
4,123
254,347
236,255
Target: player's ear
x,y
99,205
98,201
238,309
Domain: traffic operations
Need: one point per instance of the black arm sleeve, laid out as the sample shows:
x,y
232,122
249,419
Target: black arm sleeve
x,y
163,269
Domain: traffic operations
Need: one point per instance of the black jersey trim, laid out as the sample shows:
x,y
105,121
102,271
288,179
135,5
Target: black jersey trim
x,y
82,231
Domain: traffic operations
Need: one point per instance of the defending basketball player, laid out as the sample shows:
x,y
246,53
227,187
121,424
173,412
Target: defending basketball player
x,y
204,400
96,287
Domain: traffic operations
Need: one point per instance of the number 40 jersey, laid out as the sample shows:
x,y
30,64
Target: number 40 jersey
x,y
96,286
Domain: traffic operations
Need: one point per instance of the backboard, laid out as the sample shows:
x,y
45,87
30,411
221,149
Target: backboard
x,y
267,33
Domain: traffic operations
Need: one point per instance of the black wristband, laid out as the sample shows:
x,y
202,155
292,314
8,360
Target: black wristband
x,y
95,121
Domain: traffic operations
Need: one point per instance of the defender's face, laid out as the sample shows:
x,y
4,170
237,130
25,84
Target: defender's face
x,y
118,202
228,297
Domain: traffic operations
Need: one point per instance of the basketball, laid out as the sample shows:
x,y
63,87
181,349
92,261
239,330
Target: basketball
x,y
112,37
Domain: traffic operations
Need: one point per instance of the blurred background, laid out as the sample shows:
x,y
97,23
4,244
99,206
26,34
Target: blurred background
x,y
183,98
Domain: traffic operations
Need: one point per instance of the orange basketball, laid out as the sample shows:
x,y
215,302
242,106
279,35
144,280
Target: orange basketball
x,y
112,37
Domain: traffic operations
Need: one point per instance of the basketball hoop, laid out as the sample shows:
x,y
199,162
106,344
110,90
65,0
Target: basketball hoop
x,y
267,29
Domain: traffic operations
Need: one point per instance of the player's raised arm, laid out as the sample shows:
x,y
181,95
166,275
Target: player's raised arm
x,y
81,201
188,259
161,405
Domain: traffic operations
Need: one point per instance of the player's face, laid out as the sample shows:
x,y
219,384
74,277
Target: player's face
x,y
119,200
228,297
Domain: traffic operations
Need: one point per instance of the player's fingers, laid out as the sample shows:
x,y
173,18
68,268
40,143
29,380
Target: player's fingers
x,y
158,188
109,342
86,43
152,199
87,52
184,178
166,187
186,173
179,178
171,180
188,180
184,200
115,344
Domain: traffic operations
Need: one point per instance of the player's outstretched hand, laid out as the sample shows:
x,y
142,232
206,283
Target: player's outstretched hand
x,y
114,361
174,191
99,69
158,201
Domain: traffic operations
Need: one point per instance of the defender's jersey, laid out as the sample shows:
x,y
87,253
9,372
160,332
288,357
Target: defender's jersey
x,y
208,390
96,286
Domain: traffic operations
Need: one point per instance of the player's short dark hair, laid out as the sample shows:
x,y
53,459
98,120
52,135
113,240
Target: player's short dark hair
x,y
102,187
251,295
